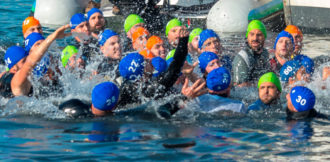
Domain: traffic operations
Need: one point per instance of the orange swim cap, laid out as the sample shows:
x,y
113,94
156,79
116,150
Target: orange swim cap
x,y
292,29
29,22
152,41
146,54
140,31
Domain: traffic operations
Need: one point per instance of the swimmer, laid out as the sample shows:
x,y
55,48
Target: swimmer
x,y
15,58
193,42
30,25
132,22
252,61
68,57
155,45
80,26
139,39
96,21
209,41
209,61
110,47
297,70
284,47
297,36
104,101
173,28
217,99
300,104
269,88
20,83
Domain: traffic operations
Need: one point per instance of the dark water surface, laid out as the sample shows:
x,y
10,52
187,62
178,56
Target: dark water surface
x,y
33,129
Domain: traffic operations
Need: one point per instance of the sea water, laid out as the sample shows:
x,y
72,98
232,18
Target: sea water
x,y
34,128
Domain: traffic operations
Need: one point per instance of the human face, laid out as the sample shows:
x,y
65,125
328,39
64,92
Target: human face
x,y
96,22
112,48
194,43
302,75
76,62
140,43
173,35
81,28
133,29
33,29
158,50
297,42
256,40
212,65
212,45
289,103
284,48
268,92
18,65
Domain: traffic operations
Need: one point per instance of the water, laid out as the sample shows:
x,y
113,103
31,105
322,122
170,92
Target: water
x,y
33,129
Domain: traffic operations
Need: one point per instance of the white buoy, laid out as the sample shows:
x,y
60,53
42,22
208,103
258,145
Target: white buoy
x,y
57,12
228,16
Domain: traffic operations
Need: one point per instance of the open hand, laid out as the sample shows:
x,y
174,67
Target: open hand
x,y
197,89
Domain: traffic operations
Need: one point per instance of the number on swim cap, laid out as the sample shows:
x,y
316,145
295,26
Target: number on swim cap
x,y
288,70
26,42
133,66
8,61
301,101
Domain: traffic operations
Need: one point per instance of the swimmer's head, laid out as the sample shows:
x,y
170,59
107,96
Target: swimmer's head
x,y
139,38
284,45
218,81
269,87
95,19
110,44
256,35
209,41
300,99
131,21
104,98
131,67
208,61
68,52
172,31
30,25
156,46
297,36
256,24
14,55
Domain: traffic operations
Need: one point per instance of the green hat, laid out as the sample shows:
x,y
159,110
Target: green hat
x,y
132,20
170,54
194,33
67,53
270,77
256,24
171,24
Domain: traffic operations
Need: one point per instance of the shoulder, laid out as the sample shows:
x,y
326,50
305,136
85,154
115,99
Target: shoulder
x,y
255,106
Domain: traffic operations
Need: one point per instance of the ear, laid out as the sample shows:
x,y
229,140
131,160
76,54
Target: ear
x,y
102,49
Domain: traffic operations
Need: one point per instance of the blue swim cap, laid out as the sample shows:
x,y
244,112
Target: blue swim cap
x,y
302,98
284,34
13,55
93,11
218,79
105,96
205,58
77,19
131,67
289,69
42,67
31,40
204,35
307,62
105,35
159,64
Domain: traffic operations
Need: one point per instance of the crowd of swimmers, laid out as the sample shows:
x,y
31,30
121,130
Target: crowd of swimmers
x,y
195,68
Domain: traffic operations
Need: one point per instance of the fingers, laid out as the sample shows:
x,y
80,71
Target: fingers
x,y
195,64
200,87
196,84
185,85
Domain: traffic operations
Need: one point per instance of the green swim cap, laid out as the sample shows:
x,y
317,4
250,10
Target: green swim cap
x,y
170,54
194,33
171,24
67,53
132,20
270,77
256,24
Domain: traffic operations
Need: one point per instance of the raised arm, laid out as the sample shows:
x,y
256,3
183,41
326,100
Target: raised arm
x,y
20,85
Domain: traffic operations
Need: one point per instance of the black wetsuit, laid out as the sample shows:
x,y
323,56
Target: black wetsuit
x,y
87,51
108,66
158,88
310,114
5,86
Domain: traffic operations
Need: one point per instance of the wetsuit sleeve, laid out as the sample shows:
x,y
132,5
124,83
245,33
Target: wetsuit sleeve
x,y
240,70
172,74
